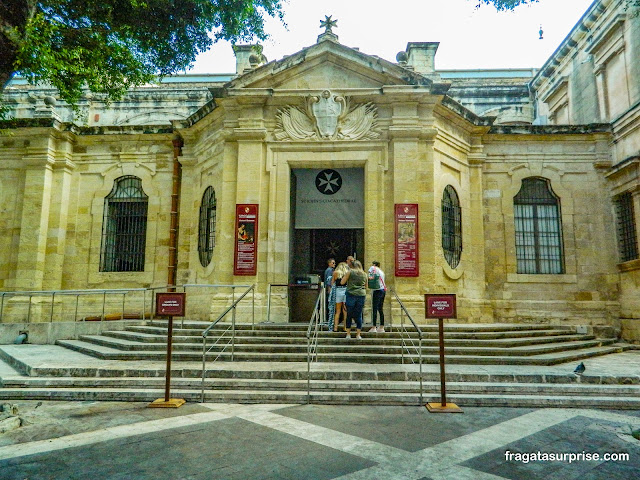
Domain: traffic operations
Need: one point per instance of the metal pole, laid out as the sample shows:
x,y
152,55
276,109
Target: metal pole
x,y
401,336
268,302
75,314
308,370
29,310
420,368
204,354
253,306
124,300
167,386
233,332
2,305
233,295
443,391
104,301
53,299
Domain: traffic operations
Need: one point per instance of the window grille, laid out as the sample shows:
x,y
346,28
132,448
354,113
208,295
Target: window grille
x,y
451,226
627,237
207,226
124,227
539,246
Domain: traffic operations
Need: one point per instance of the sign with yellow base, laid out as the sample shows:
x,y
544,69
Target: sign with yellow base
x,y
438,407
171,403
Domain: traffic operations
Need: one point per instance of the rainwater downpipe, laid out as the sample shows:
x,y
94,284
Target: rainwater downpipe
x,y
175,204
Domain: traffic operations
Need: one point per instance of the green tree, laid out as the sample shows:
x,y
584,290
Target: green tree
x,y
511,4
504,4
111,45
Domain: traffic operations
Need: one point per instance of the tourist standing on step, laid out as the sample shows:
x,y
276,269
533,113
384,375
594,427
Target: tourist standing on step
x,y
350,260
379,289
356,281
327,279
338,294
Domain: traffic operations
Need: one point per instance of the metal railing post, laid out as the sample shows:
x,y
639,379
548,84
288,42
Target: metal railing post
x,y
253,307
421,389
233,294
268,303
53,299
401,337
75,314
124,300
2,305
233,332
104,302
308,369
204,361
29,310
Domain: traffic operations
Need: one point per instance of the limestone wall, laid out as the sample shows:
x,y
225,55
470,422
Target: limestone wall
x,y
587,292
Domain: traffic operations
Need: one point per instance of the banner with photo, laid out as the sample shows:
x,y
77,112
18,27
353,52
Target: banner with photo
x,y
329,198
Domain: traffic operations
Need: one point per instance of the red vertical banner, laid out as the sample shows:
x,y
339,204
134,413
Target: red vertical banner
x,y
245,261
406,222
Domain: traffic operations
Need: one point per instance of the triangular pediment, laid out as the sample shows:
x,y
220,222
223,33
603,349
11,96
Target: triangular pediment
x,y
325,65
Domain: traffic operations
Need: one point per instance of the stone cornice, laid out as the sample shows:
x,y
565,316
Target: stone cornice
x,y
121,130
465,113
550,129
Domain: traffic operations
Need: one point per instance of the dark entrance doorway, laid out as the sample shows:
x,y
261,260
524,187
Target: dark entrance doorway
x,y
325,204
338,244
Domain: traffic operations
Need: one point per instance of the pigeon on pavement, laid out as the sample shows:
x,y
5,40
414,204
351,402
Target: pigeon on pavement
x,y
580,369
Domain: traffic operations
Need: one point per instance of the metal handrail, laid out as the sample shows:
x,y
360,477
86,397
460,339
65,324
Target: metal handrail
x,y
77,293
317,316
403,345
268,320
205,333
233,294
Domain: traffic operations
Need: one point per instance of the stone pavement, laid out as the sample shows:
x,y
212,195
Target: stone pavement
x,y
118,440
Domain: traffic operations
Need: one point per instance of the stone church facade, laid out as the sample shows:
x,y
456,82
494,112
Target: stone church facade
x,y
526,184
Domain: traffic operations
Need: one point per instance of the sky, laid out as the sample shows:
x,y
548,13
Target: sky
x,y
469,38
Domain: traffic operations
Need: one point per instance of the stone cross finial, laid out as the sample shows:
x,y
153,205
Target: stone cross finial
x,y
328,34
328,24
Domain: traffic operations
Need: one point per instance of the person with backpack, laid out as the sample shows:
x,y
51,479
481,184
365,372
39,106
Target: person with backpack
x,y
376,284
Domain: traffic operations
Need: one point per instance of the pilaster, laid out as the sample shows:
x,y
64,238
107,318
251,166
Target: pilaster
x,y
34,222
62,176
412,153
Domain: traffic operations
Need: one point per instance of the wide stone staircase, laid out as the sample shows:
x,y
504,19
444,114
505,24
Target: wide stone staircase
x,y
478,344
487,364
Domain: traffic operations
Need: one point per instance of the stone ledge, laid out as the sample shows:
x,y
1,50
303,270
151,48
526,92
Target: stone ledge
x,y
629,266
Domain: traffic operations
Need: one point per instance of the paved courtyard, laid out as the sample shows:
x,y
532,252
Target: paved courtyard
x,y
118,440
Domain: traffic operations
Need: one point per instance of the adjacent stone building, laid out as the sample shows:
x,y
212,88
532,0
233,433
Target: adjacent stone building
x,y
518,190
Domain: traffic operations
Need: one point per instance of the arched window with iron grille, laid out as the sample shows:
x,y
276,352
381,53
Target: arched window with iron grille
x,y
207,226
451,226
539,245
627,236
124,227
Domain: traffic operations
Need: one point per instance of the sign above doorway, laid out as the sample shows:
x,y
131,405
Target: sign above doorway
x,y
329,198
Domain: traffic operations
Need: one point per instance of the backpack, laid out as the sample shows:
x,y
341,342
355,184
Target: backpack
x,y
373,281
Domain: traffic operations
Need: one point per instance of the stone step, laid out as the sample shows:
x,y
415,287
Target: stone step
x,y
431,331
340,398
302,327
367,345
325,385
106,352
337,338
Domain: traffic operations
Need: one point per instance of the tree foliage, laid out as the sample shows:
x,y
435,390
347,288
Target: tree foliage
x,y
511,4
111,45
505,4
